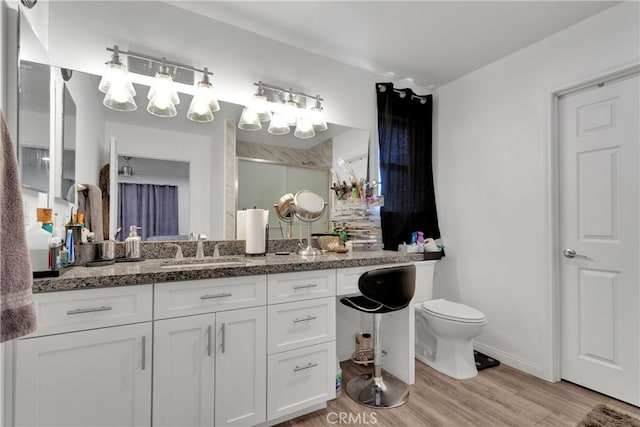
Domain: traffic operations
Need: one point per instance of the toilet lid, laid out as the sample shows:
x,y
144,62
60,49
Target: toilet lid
x,y
453,311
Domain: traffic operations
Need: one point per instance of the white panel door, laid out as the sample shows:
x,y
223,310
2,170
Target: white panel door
x,y
241,367
100,377
599,238
183,371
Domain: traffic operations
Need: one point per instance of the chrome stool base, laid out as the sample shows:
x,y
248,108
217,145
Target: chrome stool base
x,y
381,393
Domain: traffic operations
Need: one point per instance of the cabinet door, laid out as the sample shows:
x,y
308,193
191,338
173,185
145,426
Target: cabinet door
x,y
91,378
183,371
301,378
241,367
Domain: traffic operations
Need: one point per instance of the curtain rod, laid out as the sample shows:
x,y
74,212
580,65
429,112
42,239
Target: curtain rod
x,y
422,98
164,60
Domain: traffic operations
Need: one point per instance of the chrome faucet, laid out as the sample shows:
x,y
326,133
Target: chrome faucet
x,y
216,251
199,250
178,253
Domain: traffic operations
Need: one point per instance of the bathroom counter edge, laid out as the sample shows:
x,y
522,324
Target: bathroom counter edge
x,y
150,271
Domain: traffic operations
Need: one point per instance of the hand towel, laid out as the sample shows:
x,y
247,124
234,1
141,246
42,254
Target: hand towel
x,y
17,311
90,204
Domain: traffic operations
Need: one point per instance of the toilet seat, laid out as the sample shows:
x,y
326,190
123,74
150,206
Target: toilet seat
x,y
453,311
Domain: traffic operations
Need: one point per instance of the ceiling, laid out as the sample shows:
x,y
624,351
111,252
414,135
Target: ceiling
x,y
418,43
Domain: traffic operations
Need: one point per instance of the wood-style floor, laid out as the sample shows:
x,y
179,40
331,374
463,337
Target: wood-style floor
x,y
499,396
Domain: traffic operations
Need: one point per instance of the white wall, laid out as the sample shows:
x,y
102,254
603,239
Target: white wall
x,y
194,149
490,182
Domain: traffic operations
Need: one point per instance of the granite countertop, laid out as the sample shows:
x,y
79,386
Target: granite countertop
x,y
151,271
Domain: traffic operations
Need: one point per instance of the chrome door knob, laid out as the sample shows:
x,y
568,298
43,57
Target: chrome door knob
x,y
571,253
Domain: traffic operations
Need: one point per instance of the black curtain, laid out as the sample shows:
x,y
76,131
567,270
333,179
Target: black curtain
x,y
406,171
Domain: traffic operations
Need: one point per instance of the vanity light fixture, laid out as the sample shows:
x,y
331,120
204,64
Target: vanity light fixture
x,y
204,102
260,105
317,117
163,96
116,85
284,108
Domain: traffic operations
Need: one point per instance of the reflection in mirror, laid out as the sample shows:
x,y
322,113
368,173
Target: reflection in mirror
x,y
34,125
201,146
261,184
265,171
154,195
68,178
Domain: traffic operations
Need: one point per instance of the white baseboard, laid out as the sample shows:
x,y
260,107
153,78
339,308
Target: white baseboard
x,y
510,359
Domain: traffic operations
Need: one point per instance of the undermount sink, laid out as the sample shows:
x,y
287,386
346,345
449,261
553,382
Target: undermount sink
x,y
207,262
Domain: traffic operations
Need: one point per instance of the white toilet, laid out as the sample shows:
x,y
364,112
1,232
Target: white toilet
x,y
444,329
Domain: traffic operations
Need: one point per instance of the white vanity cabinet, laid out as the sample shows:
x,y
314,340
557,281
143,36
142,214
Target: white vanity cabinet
x,y
301,342
210,352
83,367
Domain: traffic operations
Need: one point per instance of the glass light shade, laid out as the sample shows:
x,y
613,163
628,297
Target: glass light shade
x,y
204,93
163,89
116,74
200,108
118,98
290,112
304,128
261,107
278,125
317,119
162,107
249,120
199,111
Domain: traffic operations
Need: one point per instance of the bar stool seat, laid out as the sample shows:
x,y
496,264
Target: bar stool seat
x,y
383,291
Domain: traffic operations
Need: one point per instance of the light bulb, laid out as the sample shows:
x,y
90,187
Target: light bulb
x,y
249,120
278,125
304,128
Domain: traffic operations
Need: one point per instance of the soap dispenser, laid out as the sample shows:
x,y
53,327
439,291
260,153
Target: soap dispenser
x,y
132,243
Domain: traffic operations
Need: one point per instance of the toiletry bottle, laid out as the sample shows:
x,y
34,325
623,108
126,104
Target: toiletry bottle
x,y
338,378
70,247
55,243
38,244
132,243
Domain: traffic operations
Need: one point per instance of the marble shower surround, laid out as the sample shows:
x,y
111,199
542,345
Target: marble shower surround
x,y
320,155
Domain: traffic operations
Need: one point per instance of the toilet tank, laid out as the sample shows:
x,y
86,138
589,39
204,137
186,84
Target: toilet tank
x,y
424,280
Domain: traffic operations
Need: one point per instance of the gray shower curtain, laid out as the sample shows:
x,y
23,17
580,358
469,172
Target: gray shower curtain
x,y
152,207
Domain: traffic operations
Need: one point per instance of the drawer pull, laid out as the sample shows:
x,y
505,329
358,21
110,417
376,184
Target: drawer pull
x,y
89,310
222,340
307,366
144,352
296,320
310,285
222,295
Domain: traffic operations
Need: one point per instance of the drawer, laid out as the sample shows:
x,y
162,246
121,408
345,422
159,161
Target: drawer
x,y
287,287
302,323
347,278
186,298
68,311
301,378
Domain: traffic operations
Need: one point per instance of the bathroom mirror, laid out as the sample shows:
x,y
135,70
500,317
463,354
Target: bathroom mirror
x,y
68,169
34,125
201,146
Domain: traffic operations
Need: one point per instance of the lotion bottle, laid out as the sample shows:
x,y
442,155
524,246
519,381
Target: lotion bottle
x,y
132,243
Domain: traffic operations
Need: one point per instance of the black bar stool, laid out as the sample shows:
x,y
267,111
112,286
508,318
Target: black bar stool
x,y
383,290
